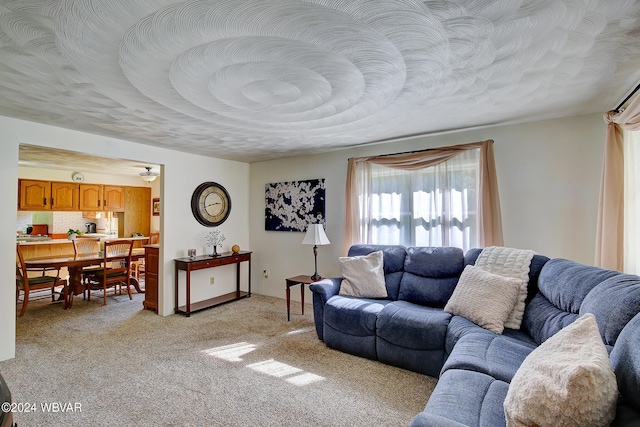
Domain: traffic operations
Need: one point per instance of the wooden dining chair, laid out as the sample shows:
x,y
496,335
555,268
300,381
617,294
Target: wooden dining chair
x,y
116,266
137,267
28,283
86,246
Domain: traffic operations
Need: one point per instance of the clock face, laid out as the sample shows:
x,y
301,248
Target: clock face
x,y
77,177
210,204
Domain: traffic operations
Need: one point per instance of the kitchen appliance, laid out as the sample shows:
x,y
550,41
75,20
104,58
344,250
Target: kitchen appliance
x,y
39,230
91,227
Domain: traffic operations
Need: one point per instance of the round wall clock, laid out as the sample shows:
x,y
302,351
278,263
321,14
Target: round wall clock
x,y
77,177
210,204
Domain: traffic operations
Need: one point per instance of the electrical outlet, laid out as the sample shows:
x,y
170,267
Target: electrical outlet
x,y
212,280
265,273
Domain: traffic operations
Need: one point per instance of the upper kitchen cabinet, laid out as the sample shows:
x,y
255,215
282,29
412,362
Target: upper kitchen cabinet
x,y
64,196
34,195
97,197
91,197
113,198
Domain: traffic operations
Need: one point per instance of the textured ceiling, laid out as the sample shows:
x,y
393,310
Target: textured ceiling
x,y
71,161
253,80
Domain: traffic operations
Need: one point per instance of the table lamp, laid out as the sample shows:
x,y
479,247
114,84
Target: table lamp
x,y
315,236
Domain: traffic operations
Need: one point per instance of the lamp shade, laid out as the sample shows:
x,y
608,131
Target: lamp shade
x,y
315,236
148,175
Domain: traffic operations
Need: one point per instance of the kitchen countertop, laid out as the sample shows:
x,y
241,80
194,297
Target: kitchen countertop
x,y
103,238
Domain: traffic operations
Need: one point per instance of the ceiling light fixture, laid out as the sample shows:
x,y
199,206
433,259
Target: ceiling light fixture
x,y
148,175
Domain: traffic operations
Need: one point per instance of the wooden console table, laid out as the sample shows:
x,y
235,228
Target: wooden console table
x,y
205,261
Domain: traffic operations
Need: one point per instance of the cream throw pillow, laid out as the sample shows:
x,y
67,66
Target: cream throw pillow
x,y
509,262
484,298
567,381
363,276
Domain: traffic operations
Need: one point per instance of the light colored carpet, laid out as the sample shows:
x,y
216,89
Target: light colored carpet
x,y
238,364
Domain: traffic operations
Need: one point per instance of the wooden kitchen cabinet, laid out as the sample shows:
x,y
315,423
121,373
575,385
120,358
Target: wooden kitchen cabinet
x,y
34,195
64,196
113,198
151,262
90,197
137,216
98,197
38,195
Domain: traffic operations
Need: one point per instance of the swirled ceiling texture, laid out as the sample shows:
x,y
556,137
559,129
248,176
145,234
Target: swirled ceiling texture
x,y
253,80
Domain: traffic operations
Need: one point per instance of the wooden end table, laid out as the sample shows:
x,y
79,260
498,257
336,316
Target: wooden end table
x,y
293,281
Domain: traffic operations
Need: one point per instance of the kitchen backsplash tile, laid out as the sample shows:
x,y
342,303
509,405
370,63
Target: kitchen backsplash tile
x,y
24,219
60,222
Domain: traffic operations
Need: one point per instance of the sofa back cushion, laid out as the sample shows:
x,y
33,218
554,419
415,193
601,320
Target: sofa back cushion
x,y
563,285
614,302
430,275
393,263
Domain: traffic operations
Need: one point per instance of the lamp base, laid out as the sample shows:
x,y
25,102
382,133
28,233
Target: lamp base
x,y
316,277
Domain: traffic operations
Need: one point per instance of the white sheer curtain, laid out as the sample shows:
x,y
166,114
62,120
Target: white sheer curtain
x,y
434,206
631,149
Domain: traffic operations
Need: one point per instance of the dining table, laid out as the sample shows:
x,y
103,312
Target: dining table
x,y
75,264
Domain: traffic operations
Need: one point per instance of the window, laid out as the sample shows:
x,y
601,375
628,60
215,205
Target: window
x,y
431,206
631,149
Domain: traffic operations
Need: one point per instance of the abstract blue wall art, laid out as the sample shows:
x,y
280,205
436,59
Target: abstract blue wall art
x,y
292,206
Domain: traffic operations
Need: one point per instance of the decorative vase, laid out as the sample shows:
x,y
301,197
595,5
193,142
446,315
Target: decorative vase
x,y
215,252
72,236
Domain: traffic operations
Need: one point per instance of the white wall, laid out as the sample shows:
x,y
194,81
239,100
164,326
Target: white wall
x,y
181,173
548,175
9,215
548,178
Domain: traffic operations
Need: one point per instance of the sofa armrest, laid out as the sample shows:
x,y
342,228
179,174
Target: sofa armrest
x,y
326,287
322,291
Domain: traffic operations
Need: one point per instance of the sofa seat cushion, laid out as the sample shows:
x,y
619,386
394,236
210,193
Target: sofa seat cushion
x,y
353,316
465,398
350,324
496,355
459,327
413,326
412,337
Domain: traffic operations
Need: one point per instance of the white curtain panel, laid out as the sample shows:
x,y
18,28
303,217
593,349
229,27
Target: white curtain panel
x,y
631,149
434,206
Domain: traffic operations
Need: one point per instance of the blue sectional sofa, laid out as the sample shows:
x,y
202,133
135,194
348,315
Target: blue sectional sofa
x,y
474,366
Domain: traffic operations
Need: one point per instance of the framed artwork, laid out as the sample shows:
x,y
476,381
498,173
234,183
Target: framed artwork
x,y
293,205
156,206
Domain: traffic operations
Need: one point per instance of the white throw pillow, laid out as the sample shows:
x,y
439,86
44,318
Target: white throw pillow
x,y
363,276
484,298
567,381
509,262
